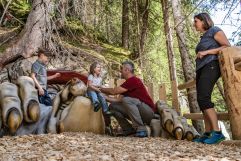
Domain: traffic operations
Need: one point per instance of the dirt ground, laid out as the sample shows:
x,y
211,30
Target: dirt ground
x,y
87,146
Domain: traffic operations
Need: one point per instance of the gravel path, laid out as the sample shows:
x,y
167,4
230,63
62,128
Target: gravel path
x,y
87,146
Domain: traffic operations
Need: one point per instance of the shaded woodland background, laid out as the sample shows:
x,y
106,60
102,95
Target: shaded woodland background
x,y
158,35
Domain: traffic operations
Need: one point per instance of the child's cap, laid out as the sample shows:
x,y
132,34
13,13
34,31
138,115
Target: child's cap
x,y
46,52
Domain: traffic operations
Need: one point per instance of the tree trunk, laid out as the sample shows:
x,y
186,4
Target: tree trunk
x,y
95,13
36,33
170,53
125,24
136,30
62,6
145,15
186,61
107,27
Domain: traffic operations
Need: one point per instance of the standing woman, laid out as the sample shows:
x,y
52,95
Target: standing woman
x,y
212,41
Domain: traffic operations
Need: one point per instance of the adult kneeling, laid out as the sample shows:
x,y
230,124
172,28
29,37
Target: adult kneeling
x,y
135,104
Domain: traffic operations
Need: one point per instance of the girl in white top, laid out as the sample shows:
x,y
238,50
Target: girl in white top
x,y
94,83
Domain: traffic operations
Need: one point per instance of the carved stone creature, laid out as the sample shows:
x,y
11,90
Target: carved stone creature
x,y
18,103
29,99
74,112
22,114
171,125
71,111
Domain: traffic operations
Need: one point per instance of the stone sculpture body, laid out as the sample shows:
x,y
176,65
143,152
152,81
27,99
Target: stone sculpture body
x,y
71,112
22,114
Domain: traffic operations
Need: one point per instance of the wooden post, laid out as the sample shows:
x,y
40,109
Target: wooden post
x,y
232,87
162,92
175,102
111,83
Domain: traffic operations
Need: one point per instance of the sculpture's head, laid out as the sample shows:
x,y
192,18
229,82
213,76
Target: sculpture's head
x,y
77,87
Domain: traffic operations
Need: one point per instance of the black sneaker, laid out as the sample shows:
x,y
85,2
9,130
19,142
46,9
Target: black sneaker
x,y
109,130
126,133
97,106
108,113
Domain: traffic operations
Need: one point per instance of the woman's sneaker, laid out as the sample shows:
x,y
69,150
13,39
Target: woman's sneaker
x,y
205,136
215,138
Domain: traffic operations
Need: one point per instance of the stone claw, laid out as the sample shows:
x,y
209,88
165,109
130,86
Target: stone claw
x,y
13,120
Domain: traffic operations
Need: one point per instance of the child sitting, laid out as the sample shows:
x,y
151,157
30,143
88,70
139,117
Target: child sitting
x,y
94,83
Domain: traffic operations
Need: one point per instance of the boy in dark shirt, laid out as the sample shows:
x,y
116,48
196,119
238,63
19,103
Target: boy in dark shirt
x,y
39,76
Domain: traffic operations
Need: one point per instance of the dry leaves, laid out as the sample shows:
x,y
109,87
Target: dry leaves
x,y
88,146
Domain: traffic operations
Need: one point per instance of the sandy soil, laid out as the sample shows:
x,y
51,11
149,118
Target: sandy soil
x,y
87,146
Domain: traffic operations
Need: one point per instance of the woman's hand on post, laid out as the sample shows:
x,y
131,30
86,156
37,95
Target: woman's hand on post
x,y
201,54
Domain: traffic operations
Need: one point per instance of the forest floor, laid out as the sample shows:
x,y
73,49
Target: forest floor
x,y
88,146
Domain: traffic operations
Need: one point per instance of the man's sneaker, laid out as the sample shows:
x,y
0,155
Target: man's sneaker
x,y
126,133
108,113
141,134
215,138
109,130
205,136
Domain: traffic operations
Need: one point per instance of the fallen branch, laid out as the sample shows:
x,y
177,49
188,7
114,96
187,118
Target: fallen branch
x,y
5,10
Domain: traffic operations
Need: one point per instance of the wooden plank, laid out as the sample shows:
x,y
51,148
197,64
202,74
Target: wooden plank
x,y
237,66
175,102
199,116
120,82
232,143
162,92
188,84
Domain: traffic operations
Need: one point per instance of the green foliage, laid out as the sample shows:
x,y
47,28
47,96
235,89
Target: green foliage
x,y
2,48
20,8
218,100
116,50
74,25
103,50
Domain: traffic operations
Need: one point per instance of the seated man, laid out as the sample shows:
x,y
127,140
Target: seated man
x,y
135,104
39,76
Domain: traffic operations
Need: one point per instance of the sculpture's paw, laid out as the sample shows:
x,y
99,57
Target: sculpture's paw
x,y
10,106
29,99
175,125
52,125
14,120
